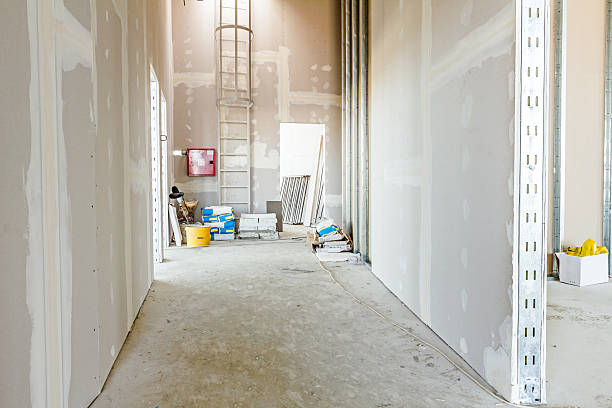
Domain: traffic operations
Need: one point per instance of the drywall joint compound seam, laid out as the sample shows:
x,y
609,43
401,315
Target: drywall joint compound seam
x,y
531,245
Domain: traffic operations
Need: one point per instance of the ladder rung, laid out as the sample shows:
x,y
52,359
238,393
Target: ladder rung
x,y
238,73
233,171
234,138
235,122
233,105
234,89
239,41
234,186
234,154
233,56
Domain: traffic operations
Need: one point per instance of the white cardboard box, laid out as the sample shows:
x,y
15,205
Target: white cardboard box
x,y
583,271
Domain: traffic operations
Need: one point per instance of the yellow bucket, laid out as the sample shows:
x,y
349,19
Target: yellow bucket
x,y
197,236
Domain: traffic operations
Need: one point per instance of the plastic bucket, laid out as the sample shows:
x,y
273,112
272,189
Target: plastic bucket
x,y
198,236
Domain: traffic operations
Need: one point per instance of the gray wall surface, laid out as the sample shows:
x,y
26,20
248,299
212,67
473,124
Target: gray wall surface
x,y
18,237
79,135
296,78
442,161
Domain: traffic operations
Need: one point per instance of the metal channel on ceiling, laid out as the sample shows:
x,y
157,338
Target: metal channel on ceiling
x,y
531,230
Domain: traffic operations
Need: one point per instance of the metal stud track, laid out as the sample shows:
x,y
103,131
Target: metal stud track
x,y
557,135
531,229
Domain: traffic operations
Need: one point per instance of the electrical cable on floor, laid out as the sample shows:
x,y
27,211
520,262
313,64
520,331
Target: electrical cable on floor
x,y
420,340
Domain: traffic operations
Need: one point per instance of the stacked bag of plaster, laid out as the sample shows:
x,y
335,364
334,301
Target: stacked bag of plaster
x,y
258,226
221,220
330,238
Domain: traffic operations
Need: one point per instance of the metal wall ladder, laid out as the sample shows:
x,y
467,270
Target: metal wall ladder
x,y
233,39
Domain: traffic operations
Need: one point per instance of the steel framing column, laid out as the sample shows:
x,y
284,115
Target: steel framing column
x,y
558,153
364,140
347,210
607,227
531,244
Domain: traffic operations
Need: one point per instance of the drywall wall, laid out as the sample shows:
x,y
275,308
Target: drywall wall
x,y
582,123
296,78
584,76
442,161
109,181
79,206
70,245
21,223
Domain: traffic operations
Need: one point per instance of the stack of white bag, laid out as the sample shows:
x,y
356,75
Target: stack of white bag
x,y
258,226
331,244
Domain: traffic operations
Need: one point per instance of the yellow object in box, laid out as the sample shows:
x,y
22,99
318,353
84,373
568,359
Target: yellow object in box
x,y
589,248
197,236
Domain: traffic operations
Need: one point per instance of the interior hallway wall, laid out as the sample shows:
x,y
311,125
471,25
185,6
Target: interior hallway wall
x,y
442,166
296,78
584,121
21,238
583,82
75,115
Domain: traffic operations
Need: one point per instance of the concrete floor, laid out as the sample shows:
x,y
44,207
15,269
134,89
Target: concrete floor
x,y
260,324
579,345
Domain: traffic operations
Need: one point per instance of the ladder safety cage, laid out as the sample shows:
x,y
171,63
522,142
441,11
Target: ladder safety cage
x,y
233,44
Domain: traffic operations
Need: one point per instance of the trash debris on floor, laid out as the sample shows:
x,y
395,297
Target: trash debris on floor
x,y
258,226
221,220
583,266
331,244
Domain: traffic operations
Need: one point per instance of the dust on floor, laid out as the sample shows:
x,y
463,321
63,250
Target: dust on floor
x,y
262,325
579,336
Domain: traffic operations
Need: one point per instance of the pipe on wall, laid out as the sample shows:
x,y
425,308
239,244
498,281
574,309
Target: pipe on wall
x,y
364,141
607,194
355,123
346,112
355,137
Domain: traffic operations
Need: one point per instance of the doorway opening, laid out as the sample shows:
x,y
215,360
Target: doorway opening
x,y
156,176
302,172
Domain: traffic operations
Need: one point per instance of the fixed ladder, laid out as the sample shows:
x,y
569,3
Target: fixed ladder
x,y
233,39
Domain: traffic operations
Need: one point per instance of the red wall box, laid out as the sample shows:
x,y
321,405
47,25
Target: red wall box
x,y
200,162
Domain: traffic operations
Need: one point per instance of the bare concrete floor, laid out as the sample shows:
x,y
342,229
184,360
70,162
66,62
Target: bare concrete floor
x,y
254,324
579,345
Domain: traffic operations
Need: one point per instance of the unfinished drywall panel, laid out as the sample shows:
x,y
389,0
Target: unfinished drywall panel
x,y
195,109
64,110
109,185
78,217
195,113
296,78
20,239
584,75
78,234
442,160
138,168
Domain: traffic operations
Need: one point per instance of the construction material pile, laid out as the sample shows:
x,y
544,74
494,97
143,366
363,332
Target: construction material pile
x,y
331,244
258,226
221,220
